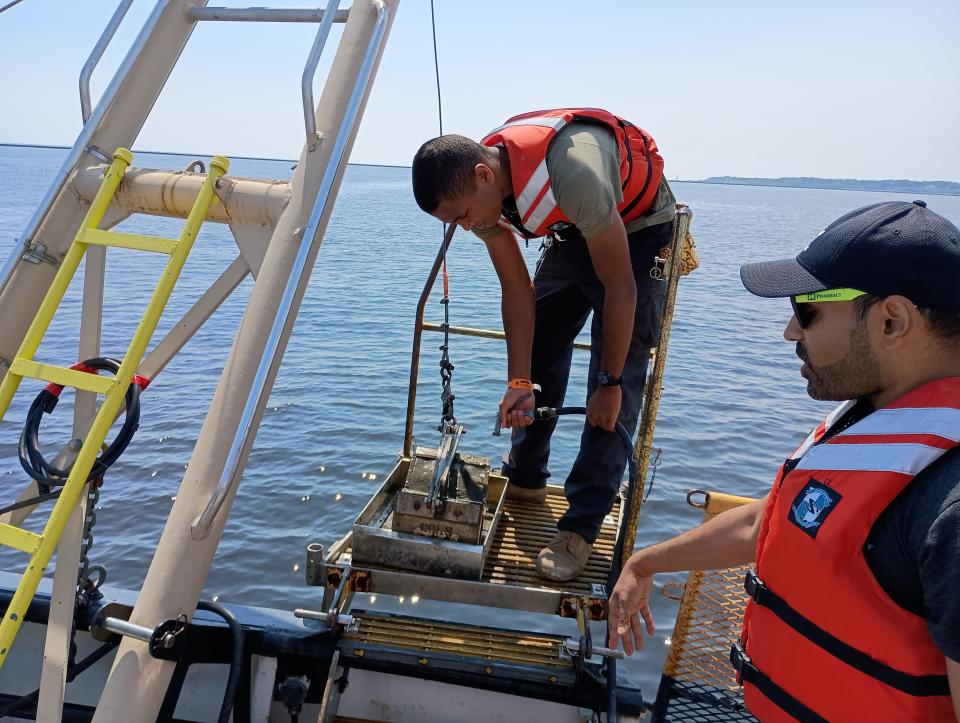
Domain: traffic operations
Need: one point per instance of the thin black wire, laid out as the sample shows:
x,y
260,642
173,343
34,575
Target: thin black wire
x,y
10,5
446,373
436,66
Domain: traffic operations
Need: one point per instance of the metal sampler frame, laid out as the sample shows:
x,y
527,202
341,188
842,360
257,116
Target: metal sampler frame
x,y
547,599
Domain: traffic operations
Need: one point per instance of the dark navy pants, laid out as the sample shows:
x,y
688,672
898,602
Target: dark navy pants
x,y
567,290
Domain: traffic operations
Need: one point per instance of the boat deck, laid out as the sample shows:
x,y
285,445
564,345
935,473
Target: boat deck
x,y
525,528
509,578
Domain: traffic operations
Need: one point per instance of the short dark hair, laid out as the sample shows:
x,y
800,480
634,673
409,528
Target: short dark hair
x,y
443,169
943,324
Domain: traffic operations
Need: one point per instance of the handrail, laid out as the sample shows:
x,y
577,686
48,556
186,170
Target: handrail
x,y
79,146
417,336
326,18
654,388
310,70
265,15
486,333
97,53
420,326
230,475
652,391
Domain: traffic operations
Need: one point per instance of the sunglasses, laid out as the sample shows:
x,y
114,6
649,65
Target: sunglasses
x,y
805,313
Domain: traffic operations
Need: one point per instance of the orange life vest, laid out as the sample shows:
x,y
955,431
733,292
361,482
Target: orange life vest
x,y
821,639
527,138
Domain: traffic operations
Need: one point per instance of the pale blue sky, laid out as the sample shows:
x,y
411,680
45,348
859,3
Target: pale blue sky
x,y
835,89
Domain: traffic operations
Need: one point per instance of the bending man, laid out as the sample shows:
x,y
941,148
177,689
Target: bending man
x,y
592,184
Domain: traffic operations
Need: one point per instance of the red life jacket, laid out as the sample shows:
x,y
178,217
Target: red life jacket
x,y
821,639
527,137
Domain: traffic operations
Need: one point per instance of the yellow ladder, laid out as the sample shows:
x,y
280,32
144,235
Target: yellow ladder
x,y
41,547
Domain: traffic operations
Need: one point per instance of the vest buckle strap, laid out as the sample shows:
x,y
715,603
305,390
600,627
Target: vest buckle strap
x,y
755,587
918,685
740,660
749,673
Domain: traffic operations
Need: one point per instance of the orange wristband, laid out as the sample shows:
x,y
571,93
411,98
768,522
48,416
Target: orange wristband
x,y
520,384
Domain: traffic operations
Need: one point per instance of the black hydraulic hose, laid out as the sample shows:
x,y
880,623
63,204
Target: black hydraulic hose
x,y
550,413
45,402
236,661
611,663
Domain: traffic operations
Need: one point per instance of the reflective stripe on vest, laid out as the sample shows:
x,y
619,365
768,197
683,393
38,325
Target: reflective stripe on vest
x,y
527,139
821,630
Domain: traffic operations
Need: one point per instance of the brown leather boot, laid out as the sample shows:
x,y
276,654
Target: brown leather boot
x,y
565,557
534,495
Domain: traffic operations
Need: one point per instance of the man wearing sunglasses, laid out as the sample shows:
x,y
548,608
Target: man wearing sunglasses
x,y
854,604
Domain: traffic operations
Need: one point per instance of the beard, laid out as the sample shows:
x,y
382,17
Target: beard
x,y
856,375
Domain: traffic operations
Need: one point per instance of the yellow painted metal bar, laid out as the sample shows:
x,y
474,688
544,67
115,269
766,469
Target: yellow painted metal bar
x,y
135,241
63,376
19,539
68,267
108,412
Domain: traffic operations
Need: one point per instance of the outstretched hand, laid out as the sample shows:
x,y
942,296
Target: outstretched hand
x,y
629,603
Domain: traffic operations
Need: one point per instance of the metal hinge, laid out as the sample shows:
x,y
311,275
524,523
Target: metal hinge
x,y
36,253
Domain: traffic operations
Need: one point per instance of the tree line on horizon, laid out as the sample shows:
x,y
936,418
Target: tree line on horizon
x,y
848,184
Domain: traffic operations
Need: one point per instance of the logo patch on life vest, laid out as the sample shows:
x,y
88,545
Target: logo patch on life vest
x,y
812,506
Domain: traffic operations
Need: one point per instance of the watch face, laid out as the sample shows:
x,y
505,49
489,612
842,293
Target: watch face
x,y
607,379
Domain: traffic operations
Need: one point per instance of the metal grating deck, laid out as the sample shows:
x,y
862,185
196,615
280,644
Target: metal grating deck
x,y
427,637
526,528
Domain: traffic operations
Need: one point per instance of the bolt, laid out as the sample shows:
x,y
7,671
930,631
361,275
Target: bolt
x,y
168,640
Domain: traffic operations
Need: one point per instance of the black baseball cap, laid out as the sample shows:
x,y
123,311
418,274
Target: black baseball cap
x,y
883,249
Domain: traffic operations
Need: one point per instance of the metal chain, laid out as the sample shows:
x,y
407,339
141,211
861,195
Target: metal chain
x,y
654,465
88,589
447,418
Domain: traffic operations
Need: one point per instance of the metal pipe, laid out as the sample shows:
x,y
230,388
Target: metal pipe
x,y
418,327
485,333
80,145
97,53
172,193
573,647
310,70
266,15
651,403
127,629
341,619
315,571
230,475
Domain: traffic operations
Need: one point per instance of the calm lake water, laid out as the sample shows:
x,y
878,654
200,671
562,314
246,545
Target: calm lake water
x,y
734,404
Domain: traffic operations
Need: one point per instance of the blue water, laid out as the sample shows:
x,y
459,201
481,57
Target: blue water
x,y
734,404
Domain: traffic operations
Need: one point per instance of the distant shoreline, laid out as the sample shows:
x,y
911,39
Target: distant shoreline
x,y
824,184
886,185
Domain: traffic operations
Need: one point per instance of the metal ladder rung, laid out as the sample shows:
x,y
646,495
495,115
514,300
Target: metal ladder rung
x,y
62,376
19,539
137,242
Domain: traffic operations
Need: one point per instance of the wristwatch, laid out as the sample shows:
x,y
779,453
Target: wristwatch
x,y
606,379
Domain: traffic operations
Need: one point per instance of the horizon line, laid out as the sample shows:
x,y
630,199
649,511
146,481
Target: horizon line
x,y
669,180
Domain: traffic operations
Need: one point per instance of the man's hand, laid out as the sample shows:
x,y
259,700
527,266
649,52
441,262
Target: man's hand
x,y
604,407
630,601
514,407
